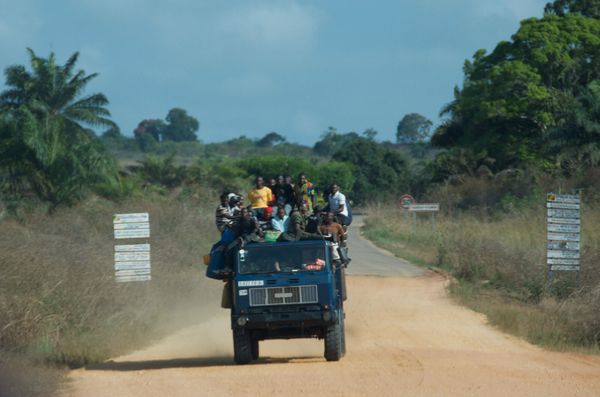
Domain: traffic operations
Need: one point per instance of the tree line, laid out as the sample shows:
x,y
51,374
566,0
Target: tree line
x,y
532,104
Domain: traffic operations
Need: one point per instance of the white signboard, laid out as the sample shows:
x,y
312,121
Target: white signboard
x,y
554,213
561,267
559,228
564,232
132,248
136,233
563,206
563,237
126,279
132,225
424,207
568,221
563,245
132,261
128,218
563,254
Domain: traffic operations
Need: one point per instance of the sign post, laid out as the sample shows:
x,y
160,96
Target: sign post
x,y
563,230
414,208
405,201
132,261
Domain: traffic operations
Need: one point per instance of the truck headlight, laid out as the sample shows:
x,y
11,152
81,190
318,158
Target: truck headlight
x,y
242,321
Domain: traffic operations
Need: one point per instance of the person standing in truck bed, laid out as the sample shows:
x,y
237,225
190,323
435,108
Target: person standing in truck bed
x,y
260,198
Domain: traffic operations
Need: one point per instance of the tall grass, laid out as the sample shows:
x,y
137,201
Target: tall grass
x,y
499,263
58,299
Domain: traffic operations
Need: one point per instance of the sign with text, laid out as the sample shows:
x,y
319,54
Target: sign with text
x,y
132,261
128,226
564,232
424,207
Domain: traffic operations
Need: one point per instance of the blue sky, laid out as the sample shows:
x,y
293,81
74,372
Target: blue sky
x,y
251,67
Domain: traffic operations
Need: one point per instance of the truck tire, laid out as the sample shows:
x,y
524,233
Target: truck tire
x,y
333,341
242,346
255,351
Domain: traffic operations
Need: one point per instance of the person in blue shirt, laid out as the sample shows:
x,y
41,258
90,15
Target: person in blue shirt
x,y
280,221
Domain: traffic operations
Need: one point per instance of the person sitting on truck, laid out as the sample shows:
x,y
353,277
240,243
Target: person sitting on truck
x,y
284,193
314,220
259,197
246,228
265,223
297,229
280,221
332,228
222,217
235,205
305,193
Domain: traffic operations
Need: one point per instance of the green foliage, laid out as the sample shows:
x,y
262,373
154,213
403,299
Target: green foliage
x,y
271,139
526,89
180,126
44,149
164,172
588,8
332,141
379,171
413,128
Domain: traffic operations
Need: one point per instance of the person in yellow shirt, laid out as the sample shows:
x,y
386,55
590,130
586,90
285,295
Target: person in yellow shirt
x,y
259,197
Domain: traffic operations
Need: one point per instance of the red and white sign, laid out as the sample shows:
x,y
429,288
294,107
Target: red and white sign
x,y
406,200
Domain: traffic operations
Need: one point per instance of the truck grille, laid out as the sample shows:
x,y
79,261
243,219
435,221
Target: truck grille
x,y
283,295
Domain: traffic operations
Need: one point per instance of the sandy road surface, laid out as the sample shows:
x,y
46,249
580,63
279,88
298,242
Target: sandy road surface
x,y
404,337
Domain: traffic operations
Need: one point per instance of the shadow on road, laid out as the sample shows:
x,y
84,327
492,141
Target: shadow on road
x,y
198,362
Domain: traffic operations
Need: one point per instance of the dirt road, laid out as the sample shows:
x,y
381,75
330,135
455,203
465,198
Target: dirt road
x,y
404,338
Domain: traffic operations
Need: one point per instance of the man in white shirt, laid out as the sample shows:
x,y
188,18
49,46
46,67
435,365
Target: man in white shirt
x,y
337,205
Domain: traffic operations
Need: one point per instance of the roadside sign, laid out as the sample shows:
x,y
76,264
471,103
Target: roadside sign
x,y
563,206
556,213
569,221
567,268
563,237
563,245
128,218
406,200
564,233
132,248
559,228
136,233
424,207
132,261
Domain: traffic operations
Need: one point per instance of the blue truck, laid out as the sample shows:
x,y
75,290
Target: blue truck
x,y
287,290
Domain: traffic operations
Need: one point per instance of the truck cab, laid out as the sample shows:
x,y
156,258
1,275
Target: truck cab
x,y
287,290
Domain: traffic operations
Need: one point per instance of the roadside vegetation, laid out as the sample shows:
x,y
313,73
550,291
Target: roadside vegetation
x,y
526,121
497,261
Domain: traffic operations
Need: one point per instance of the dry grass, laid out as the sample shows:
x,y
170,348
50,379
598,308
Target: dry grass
x,y
59,302
500,265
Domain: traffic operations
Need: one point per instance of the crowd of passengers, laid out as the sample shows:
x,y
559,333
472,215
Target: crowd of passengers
x,y
284,211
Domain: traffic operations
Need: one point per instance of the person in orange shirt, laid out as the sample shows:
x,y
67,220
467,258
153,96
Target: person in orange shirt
x,y
260,197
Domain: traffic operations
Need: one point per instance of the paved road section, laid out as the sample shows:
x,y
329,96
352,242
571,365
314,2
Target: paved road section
x,y
404,338
369,260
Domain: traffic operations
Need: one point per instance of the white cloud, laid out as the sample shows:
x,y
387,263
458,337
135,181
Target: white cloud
x,y
275,26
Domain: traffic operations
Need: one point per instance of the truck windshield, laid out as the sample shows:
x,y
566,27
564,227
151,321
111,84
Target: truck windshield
x,y
285,258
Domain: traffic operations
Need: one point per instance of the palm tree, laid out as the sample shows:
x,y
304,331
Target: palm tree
x,y
51,89
45,147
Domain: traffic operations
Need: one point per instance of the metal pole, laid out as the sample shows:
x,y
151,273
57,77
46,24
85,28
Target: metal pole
x,y
433,221
414,222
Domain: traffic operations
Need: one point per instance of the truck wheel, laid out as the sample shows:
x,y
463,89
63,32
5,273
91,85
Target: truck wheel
x,y
333,341
242,346
255,351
